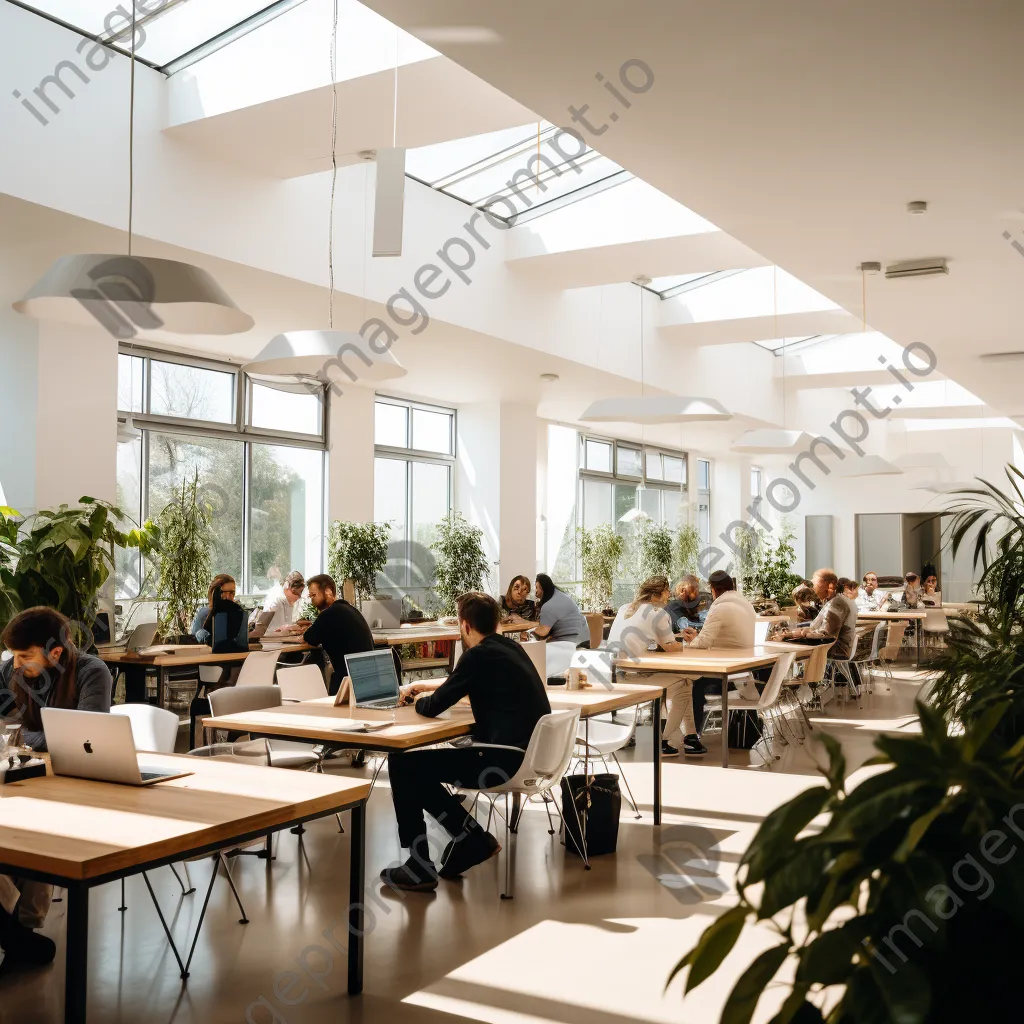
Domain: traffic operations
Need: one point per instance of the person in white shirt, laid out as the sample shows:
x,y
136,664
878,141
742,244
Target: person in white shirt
x,y
869,597
285,605
730,624
638,625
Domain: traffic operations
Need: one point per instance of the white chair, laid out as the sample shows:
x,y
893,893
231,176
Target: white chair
x,y
935,626
768,705
545,762
558,658
152,728
233,700
893,645
537,651
258,669
304,682
760,632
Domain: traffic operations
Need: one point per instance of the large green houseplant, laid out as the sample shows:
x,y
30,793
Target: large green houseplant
x,y
601,550
358,551
767,568
686,551
461,564
654,550
184,571
62,557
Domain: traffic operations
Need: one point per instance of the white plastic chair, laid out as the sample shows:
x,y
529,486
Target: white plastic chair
x,y
760,632
768,705
304,682
935,626
558,658
233,700
258,669
152,728
537,651
545,762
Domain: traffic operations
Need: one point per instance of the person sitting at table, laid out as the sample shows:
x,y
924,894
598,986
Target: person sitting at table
x,y
930,595
730,625
508,699
848,588
559,615
222,622
282,605
515,602
869,598
338,628
806,601
638,625
45,669
912,590
689,606
837,619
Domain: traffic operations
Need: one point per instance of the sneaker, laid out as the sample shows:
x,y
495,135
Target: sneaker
x,y
462,854
667,750
693,745
412,876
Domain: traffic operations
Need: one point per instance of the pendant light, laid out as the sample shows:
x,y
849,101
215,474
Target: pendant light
x,y
311,352
649,409
130,293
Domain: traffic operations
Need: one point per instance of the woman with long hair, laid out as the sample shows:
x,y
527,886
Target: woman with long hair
x,y
559,615
45,670
516,603
644,622
221,609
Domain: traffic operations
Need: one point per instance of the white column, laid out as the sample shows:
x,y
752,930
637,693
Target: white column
x,y
75,415
497,483
350,456
19,373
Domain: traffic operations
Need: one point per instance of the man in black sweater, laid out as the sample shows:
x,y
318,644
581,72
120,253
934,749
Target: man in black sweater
x,y
508,699
338,628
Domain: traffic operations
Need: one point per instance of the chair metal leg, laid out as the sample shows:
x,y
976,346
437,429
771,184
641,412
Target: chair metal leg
x,y
583,833
227,871
124,906
184,891
629,792
551,826
510,847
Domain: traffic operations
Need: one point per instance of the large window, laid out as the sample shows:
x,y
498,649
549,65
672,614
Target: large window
x,y
704,500
258,446
413,477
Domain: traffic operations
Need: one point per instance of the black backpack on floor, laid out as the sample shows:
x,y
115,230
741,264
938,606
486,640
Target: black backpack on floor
x,y
593,802
744,729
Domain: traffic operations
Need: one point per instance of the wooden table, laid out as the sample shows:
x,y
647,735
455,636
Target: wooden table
x,y
319,721
183,659
434,631
915,615
719,664
79,834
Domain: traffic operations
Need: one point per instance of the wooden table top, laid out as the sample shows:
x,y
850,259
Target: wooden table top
x,y
79,829
907,614
411,634
693,660
183,657
321,721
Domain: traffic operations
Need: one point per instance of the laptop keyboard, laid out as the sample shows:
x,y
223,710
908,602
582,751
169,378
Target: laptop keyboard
x,y
149,776
385,704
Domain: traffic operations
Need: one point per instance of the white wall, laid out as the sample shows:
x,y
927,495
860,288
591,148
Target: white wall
x,y
350,428
19,364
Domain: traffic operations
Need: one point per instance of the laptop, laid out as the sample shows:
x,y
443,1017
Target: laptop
x,y
96,745
381,614
141,636
261,624
374,679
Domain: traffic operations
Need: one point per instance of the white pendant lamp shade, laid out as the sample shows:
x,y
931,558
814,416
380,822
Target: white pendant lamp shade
x,y
655,409
128,294
337,356
865,465
768,440
632,515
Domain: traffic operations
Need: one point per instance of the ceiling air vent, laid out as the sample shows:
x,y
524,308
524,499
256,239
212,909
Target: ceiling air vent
x,y
916,268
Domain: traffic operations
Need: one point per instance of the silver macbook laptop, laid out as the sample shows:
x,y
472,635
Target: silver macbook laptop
x,y
382,614
374,679
95,745
141,636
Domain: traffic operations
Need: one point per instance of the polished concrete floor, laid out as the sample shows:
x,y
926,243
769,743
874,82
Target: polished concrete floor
x,y
573,946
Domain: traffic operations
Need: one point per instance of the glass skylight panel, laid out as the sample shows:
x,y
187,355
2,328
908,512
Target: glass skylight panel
x,y
662,284
478,168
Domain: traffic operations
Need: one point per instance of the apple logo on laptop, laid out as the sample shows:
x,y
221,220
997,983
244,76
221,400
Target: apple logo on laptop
x,y
87,746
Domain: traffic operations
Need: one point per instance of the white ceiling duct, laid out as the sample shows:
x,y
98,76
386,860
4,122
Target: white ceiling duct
x,y
337,356
655,409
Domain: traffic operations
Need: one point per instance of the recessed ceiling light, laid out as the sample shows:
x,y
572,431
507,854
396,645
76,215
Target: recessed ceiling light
x,y
442,34
549,378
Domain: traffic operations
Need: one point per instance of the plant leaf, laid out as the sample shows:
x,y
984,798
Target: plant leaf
x,y
774,839
713,947
742,1001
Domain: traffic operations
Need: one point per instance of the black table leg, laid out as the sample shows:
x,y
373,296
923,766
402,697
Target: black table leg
x,y
656,757
356,884
76,971
725,721
920,634
161,678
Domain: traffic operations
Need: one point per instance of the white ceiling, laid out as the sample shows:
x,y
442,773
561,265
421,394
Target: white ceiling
x,y
803,129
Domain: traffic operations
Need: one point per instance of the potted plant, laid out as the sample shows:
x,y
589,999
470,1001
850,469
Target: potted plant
x,y
358,551
655,550
601,550
768,573
62,557
686,551
184,570
907,903
461,564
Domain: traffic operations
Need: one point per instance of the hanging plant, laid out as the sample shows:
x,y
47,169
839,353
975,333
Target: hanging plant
x,y
461,562
601,551
357,552
185,568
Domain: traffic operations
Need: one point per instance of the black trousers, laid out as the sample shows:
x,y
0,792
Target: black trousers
x,y
416,785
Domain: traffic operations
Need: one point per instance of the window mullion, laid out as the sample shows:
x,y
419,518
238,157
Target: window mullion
x,y
246,516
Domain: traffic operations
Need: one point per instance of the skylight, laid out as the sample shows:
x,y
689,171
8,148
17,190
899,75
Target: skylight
x,y
528,166
166,30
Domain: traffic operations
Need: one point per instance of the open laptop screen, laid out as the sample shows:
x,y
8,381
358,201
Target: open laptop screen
x,y
373,676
